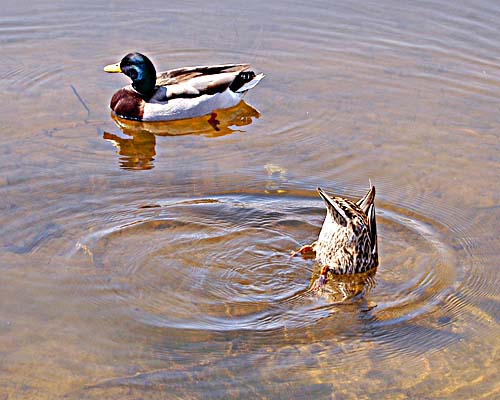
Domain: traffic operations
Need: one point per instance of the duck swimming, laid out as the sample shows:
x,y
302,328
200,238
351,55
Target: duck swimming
x,y
179,93
347,242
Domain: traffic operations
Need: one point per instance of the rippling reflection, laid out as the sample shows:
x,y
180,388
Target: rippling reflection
x,y
213,275
223,264
341,288
137,149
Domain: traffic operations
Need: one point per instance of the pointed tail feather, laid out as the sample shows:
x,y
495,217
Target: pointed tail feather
x,y
337,212
365,202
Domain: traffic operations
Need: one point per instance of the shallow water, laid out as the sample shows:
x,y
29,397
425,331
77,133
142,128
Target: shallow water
x,y
144,261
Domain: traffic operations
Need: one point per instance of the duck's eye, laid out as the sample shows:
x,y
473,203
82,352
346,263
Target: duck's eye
x,y
133,73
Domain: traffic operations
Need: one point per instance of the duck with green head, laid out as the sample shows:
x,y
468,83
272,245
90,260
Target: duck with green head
x,y
179,93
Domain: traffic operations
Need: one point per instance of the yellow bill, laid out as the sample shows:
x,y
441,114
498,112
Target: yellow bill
x,y
113,68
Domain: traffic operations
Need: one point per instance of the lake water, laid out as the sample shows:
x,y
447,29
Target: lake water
x,y
152,261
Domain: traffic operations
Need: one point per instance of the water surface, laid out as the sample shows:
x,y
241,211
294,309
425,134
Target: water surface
x,y
144,261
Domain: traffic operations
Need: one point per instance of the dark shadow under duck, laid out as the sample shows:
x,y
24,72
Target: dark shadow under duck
x,y
179,93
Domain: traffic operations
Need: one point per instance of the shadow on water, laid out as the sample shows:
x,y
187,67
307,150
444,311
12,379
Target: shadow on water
x,y
34,240
137,150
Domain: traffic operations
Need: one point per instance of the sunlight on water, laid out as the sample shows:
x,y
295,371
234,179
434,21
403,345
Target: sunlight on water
x,y
150,260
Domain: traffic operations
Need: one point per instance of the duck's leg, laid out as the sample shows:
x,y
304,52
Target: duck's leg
x,y
307,251
214,122
319,284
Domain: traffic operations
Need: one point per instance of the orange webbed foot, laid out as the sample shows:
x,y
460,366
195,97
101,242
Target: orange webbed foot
x,y
319,284
305,251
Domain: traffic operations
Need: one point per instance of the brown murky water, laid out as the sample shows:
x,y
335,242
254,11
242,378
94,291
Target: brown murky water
x,y
152,261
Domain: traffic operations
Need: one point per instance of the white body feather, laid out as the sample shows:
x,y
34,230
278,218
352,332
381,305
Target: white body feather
x,y
181,108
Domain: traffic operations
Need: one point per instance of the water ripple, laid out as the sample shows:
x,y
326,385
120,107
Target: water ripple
x,y
222,264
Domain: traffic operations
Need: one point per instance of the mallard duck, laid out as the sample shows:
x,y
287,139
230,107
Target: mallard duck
x,y
347,242
179,93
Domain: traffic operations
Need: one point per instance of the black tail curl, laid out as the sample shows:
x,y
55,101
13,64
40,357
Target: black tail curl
x,y
242,78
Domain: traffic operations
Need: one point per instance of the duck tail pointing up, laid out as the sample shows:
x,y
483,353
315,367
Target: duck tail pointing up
x,y
245,81
367,200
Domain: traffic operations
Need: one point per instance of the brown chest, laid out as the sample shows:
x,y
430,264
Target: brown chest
x,y
127,103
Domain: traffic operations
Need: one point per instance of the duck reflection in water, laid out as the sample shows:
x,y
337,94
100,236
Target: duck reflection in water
x,y
346,249
341,288
137,148
136,152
